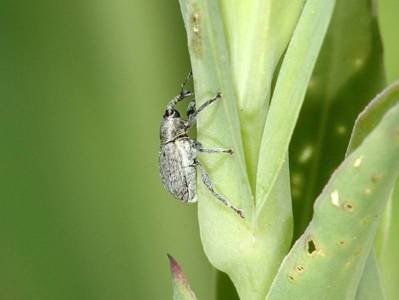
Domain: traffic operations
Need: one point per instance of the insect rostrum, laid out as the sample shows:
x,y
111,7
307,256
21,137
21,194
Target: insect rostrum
x,y
178,162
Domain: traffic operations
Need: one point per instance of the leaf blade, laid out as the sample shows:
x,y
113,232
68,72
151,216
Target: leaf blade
x,y
212,74
334,248
349,72
388,256
371,286
385,243
373,114
221,231
289,94
258,34
181,287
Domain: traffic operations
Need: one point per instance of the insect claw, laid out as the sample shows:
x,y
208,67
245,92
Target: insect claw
x,y
240,212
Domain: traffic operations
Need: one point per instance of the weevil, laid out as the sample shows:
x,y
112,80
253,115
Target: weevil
x,y
178,162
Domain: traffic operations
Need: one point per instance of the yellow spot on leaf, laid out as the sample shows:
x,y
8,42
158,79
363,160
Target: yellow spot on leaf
x,y
358,63
306,154
358,161
296,179
341,129
335,198
367,191
348,264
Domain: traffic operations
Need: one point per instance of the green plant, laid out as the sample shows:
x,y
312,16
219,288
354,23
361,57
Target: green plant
x,y
261,55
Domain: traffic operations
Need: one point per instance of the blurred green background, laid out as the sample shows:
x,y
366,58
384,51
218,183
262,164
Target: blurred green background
x,y
83,214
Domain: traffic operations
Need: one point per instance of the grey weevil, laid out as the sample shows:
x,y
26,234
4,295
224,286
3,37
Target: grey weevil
x,y
178,152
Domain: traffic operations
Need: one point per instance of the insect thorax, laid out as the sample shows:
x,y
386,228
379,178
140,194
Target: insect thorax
x,y
171,128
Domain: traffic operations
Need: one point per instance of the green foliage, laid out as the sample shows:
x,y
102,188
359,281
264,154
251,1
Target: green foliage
x,y
349,67
349,72
250,250
386,236
335,246
225,57
373,114
83,85
370,286
371,283
388,255
289,94
257,34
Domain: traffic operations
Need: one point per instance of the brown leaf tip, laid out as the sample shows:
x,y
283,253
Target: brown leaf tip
x,y
176,270
180,283
174,266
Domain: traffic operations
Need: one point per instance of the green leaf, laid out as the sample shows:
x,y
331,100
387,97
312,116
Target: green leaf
x,y
335,246
181,287
240,248
373,114
248,251
349,67
388,256
349,72
219,126
258,33
370,286
288,96
364,124
387,248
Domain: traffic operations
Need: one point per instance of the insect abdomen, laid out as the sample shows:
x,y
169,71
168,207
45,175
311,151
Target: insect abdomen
x,y
177,169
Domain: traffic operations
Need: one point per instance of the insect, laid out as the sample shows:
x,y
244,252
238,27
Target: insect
x,y
178,162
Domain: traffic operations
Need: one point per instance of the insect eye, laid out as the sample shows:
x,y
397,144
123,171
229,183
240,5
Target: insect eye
x,y
171,113
168,113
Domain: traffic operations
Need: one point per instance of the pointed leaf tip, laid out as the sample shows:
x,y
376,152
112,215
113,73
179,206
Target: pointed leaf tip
x,y
181,287
175,269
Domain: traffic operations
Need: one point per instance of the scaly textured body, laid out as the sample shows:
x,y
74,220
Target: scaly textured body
x,y
178,153
178,170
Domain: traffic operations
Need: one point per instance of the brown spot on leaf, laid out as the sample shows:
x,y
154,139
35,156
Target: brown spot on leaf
x,y
348,207
376,178
311,247
300,268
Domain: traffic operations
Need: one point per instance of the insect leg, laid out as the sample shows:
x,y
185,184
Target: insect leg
x,y
198,147
183,93
191,108
193,116
208,183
